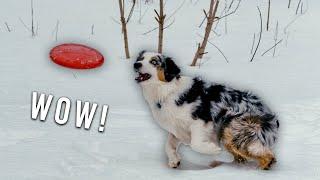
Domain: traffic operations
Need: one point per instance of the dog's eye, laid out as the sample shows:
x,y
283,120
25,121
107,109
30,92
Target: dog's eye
x,y
154,62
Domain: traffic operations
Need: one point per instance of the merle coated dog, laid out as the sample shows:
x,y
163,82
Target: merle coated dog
x,y
204,115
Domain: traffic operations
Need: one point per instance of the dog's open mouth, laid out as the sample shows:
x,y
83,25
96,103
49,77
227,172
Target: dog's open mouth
x,y
142,77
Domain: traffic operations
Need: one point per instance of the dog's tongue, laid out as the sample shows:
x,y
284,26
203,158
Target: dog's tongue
x,y
140,77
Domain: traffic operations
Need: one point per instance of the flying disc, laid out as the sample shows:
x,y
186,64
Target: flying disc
x,y
76,56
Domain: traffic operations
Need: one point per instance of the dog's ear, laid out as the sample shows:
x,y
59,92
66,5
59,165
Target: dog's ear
x,y
171,70
140,55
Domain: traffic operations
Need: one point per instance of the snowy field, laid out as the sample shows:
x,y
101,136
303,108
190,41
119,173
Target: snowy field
x,y
132,146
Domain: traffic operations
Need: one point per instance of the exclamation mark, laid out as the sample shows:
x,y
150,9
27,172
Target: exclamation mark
x,y
103,117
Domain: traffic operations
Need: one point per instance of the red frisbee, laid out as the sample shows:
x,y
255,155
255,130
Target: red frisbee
x,y
76,56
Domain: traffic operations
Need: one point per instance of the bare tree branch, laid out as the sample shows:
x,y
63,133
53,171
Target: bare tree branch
x,y
210,19
92,29
260,35
24,24
230,13
253,41
160,19
298,7
57,30
268,19
289,4
221,52
271,47
275,38
124,28
114,20
230,5
226,14
153,29
7,26
145,12
32,20
175,11
131,10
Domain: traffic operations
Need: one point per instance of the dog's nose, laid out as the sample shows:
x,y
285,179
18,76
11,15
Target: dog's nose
x,y
137,65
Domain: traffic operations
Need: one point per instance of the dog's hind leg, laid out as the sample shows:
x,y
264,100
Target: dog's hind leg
x,y
171,150
202,138
262,154
241,139
239,156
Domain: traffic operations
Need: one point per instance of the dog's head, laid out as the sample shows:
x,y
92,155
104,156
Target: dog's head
x,y
152,66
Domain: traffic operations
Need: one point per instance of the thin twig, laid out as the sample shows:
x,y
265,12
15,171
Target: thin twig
x,y
155,28
24,24
114,20
92,29
151,30
291,22
287,37
225,15
271,47
217,34
230,13
140,11
131,10
175,11
57,30
216,48
124,26
225,19
260,35
298,7
268,19
32,20
145,12
289,4
253,42
275,38
8,28
230,5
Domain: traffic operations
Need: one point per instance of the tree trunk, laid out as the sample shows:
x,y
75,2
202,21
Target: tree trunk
x,y
124,29
210,18
160,19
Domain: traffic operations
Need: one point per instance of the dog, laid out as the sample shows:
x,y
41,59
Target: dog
x,y
206,116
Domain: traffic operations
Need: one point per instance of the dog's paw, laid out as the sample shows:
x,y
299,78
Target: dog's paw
x,y
174,163
240,160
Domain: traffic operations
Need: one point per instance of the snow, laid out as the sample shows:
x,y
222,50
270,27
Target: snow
x,y
132,145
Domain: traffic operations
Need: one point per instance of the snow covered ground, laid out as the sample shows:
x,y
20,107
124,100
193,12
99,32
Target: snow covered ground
x,y
132,145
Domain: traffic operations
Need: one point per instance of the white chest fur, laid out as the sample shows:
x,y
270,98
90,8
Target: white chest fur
x,y
161,98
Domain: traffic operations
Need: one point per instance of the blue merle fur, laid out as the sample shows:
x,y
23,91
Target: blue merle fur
x,y
223,105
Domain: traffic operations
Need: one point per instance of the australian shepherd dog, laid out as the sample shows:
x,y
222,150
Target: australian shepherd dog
x,y
206,116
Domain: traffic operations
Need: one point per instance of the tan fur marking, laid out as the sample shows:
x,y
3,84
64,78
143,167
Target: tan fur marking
x,y
160,74
266,159
228,143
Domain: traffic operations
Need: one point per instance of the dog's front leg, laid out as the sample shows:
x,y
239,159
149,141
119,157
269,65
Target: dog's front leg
x,y
201,140
171,150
